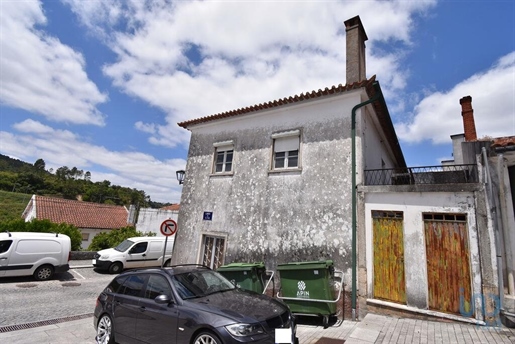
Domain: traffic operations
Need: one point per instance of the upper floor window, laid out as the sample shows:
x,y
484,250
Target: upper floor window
x,y
224,152
286,150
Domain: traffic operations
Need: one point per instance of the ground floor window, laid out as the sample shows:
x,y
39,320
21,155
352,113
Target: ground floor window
x,y
85,236
213,251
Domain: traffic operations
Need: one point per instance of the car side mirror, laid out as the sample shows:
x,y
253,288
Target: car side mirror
x,y
163,299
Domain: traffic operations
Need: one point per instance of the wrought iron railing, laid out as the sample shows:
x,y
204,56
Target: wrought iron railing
x,y
447,174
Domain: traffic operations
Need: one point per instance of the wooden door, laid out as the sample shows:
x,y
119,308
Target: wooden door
x,y
448,263
389,279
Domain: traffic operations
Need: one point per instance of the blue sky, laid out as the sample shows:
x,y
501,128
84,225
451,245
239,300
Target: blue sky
x,y
101,85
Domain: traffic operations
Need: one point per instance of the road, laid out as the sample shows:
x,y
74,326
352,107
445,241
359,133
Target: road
x,y
24,300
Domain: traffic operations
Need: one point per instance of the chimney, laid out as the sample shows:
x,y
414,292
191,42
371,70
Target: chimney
x,y
356,38
468,119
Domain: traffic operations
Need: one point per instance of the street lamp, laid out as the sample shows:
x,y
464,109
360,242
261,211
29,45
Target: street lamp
x,y
180,176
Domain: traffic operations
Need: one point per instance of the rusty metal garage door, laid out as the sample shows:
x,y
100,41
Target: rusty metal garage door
x,y
389,279
448,262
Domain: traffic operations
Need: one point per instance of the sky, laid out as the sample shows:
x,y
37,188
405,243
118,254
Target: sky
x,y
101,85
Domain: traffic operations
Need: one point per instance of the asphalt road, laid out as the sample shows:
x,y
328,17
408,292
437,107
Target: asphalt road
x,y
24,300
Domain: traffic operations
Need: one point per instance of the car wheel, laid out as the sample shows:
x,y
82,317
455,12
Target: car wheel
x,y
44,272
115,268
105,333
168,263
207,338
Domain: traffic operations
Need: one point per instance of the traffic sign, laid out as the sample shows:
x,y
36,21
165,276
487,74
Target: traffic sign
x,y
168,227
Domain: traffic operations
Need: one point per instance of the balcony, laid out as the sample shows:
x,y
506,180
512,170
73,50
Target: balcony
x,y
448,174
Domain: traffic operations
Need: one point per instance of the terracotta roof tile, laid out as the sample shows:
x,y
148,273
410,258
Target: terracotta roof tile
x,y
284,101
503,141
174,206
81,214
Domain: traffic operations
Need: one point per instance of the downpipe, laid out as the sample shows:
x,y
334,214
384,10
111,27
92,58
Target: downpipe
x,y
353,192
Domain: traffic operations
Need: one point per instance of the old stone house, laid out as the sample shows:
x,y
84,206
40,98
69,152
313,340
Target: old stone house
x,y
272,182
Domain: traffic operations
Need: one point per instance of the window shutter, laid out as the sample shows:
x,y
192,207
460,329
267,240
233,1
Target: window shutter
x,y
286,144
224,146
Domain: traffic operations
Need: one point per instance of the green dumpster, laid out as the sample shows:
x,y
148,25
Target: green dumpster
x,y
248,276
308,288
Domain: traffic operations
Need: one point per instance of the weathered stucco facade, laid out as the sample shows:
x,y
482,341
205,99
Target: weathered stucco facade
x,y
279,216
412,202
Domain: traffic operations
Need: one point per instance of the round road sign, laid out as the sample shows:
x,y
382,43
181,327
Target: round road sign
x,y
168,227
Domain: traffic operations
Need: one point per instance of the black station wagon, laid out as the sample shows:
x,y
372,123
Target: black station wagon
x,y
187,304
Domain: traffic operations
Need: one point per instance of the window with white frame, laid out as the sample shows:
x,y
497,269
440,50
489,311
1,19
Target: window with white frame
x,y
224,152
286,150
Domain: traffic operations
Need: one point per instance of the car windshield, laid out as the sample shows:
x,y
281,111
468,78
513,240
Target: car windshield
x,y
199,283
124,245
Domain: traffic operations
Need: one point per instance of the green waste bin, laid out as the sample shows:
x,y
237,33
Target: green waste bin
x,y
248,276
309,288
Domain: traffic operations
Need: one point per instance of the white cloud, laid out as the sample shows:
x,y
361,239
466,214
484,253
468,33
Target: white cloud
x,y
247,52
438,115
39,73
64,148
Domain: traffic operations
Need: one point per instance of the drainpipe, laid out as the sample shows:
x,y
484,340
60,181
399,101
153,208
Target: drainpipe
x,y
354,229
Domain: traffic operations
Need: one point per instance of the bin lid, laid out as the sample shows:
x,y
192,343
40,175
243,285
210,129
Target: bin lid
x,y
320,264
241,266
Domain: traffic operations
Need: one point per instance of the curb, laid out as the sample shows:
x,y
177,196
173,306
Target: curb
x,y
81,266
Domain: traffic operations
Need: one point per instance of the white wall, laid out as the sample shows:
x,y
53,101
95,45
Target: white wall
x,y
413,205
150,220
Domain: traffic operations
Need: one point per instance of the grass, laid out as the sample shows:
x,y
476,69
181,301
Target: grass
x,y
12,205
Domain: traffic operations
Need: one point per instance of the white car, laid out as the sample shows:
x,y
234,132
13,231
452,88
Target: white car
x,y
137,252
37,254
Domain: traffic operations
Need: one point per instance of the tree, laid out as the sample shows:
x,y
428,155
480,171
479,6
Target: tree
x,y
40,165
113,238
45,226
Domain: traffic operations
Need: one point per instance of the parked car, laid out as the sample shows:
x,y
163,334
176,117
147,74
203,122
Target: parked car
x,y
136,252
37,254
187,304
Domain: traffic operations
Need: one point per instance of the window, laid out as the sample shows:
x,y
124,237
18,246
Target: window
x,y
286,150
85,236
140,247
157,285
224,152
115,285
133,285
213,251
5,245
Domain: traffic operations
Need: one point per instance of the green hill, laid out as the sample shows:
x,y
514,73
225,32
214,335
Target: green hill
x,y
12,205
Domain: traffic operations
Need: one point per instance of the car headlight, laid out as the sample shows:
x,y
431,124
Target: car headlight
x,y
242,330
104,256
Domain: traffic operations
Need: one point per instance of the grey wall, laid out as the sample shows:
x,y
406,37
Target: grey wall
x,y
276,218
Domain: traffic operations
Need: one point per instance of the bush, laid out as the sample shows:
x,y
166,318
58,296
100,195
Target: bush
x,y
45,226
113,238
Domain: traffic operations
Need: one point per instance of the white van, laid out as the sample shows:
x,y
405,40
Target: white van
x,y
37,254
137,252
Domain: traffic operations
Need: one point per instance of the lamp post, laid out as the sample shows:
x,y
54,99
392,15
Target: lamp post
x,y
180,176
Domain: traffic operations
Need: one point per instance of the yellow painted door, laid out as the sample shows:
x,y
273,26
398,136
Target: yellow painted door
x,y
389,279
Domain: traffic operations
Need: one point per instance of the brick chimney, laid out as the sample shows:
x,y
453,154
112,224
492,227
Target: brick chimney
x,y
356,38
468,118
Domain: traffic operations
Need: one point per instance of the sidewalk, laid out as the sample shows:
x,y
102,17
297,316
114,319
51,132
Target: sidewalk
x,y
372,329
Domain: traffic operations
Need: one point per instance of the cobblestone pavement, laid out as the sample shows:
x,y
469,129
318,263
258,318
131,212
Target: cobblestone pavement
x,y
377,329
374,328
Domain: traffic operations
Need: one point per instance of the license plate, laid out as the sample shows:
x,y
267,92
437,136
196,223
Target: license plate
x,y
94,261
283,335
